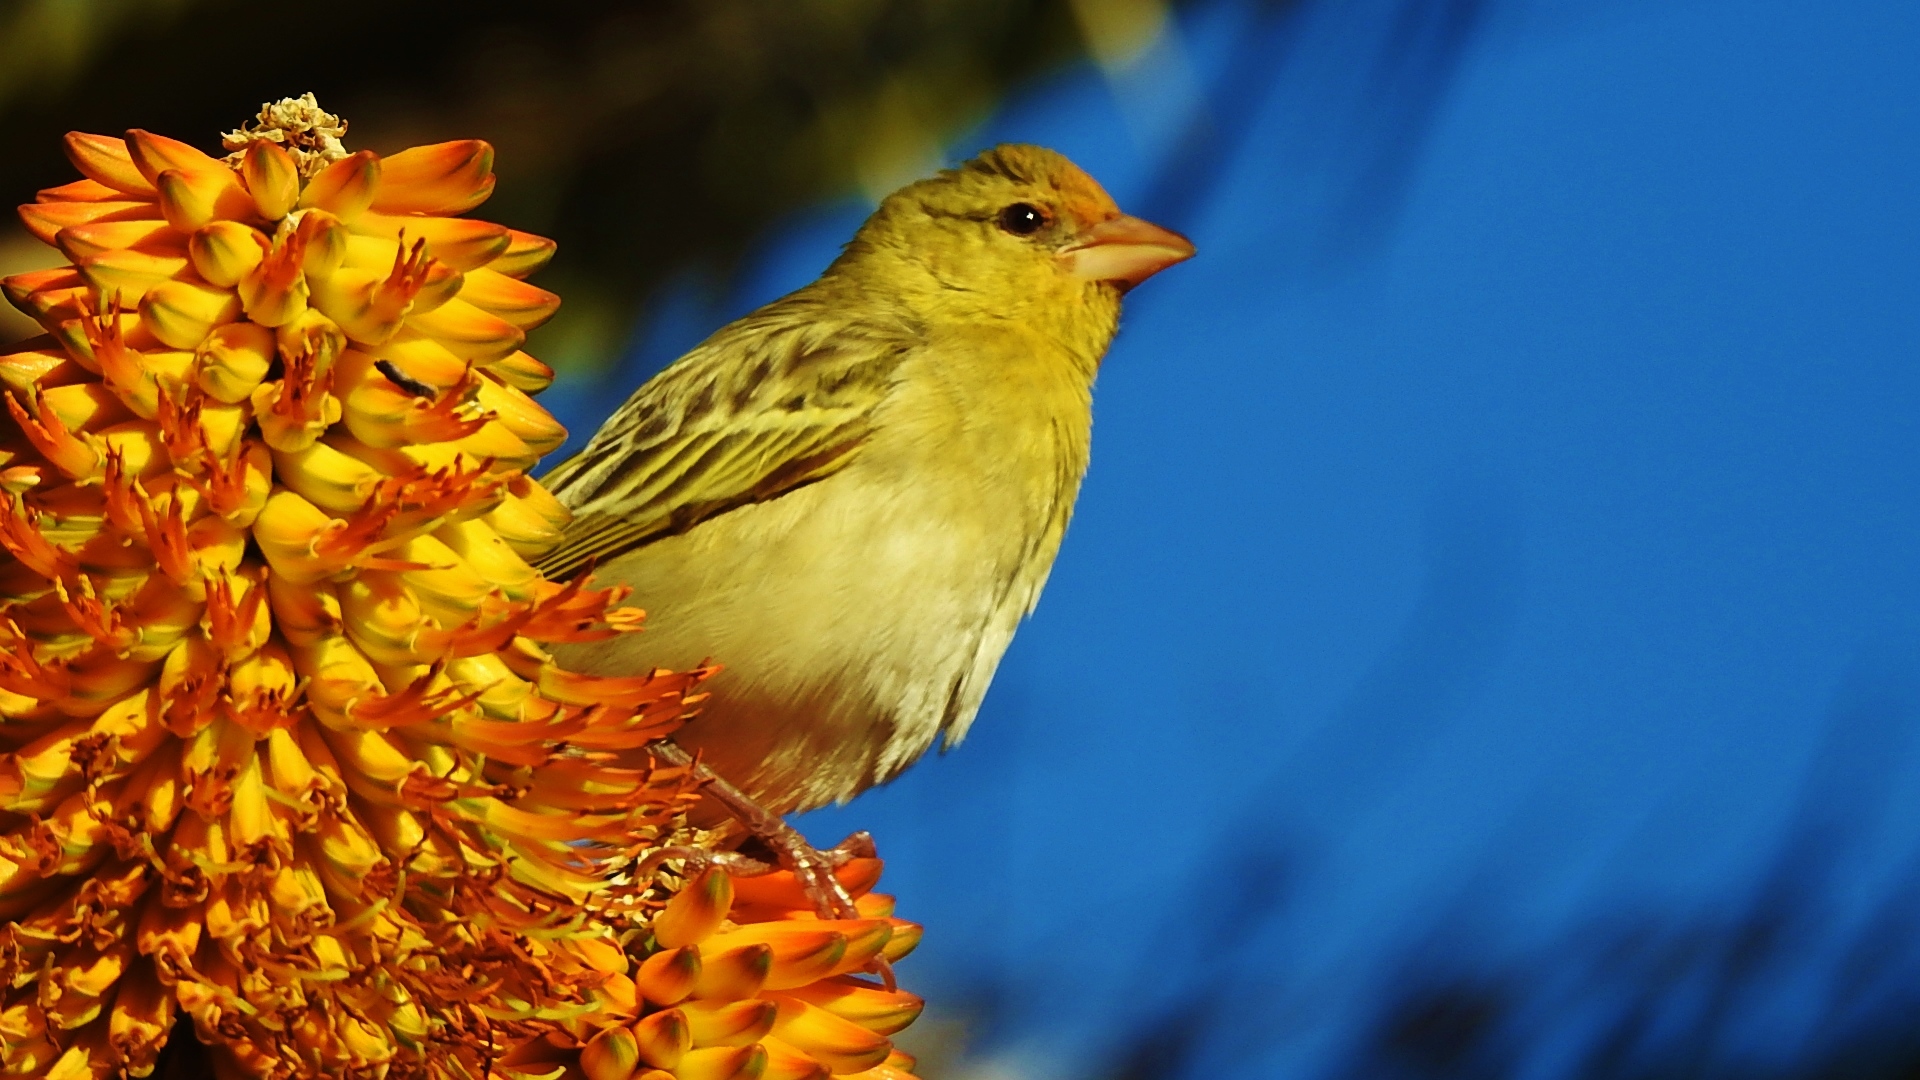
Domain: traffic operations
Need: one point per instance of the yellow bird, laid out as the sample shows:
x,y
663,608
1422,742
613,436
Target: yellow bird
x,y
852,496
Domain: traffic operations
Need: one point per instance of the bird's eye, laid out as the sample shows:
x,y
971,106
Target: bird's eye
x,y
1023,219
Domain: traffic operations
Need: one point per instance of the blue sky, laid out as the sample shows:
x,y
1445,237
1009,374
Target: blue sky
x,y
1490,527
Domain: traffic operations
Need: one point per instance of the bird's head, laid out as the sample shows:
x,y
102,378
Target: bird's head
x,y
1018,232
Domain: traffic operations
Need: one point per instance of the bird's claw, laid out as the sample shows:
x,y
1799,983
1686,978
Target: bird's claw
x,y
698,859
856,846
812,868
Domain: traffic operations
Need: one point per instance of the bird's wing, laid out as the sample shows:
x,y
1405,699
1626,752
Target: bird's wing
x,y
766,405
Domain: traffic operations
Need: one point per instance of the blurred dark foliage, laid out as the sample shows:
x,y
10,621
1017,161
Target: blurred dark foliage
x,y
1404,54
643,136
650,137
1786,979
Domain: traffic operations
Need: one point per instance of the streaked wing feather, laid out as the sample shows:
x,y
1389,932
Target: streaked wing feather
x,y
777,400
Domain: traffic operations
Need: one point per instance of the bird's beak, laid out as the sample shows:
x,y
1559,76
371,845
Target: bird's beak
x,y
1125,250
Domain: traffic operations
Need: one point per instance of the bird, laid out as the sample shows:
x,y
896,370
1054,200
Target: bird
x,y
851,497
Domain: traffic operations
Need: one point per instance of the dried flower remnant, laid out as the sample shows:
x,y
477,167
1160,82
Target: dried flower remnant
x,y
310,135
281,751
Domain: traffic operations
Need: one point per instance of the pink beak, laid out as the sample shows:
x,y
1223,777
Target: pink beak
x,y
1125,250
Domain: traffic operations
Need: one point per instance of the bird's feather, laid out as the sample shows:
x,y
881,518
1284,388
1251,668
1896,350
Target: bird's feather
x,y
775,401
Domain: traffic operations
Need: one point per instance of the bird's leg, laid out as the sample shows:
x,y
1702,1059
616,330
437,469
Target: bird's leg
x,y
812,867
